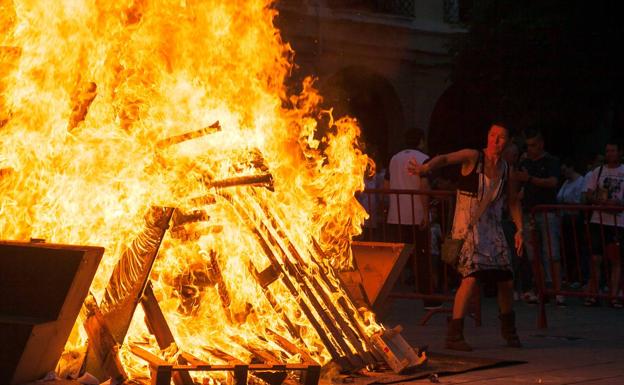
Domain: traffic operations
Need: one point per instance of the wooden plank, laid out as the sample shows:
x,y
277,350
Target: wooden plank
x,y
312,375
157,324
264,285
291,348
224,356
127,283
224,295
103,349
240,374
131,273
151,358
265,179
266,356
160,375
192,360
213,128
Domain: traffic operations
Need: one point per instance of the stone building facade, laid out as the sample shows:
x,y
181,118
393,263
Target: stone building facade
x,y
386,62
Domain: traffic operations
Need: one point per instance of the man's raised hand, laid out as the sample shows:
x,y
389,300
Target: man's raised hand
x,y
415,168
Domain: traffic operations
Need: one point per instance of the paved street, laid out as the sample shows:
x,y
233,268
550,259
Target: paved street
x,y
581,345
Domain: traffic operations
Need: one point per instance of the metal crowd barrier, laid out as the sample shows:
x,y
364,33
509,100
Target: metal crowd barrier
x,y
440,279
579,275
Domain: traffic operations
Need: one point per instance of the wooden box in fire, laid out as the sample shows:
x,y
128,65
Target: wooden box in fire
x,y
42,288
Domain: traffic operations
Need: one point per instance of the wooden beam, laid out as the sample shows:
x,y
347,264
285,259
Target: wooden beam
x,y
128,280
213,128
157,324
102,349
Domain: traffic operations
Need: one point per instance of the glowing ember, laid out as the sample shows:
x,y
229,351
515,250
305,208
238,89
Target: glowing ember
x,y
92,98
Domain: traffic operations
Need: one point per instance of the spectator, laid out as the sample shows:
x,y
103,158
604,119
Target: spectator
x,y
539,173
605,186
573,185
573,250
408,215
484,255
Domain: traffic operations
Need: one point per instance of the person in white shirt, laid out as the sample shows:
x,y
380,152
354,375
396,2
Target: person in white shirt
x,y
408,215
406,211
605,186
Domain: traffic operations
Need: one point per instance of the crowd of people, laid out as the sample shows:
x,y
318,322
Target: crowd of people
x,y
502,229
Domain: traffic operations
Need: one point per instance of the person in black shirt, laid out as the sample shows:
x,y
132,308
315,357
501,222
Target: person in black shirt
x,y
539,175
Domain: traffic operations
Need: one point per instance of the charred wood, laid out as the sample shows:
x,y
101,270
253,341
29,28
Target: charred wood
x,y
264,279
102,358
213,128
264,180
224,295
130,275
157,324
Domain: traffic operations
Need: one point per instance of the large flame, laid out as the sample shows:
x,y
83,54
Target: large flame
x,y
87,91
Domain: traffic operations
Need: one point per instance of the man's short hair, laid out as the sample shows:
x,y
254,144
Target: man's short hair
x,y
500,123
413,137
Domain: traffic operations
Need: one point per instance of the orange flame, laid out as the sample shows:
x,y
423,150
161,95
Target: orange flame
x,y
87,91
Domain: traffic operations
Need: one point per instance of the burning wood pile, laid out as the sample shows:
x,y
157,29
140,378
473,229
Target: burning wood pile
x,y
229,236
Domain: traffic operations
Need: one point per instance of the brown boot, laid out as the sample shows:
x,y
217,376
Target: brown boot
x,y
508,329
455,336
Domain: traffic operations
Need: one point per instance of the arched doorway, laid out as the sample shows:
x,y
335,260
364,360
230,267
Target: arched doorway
x,y
370,98
459,120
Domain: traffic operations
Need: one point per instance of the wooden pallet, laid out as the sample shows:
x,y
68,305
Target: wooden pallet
x,y
162,371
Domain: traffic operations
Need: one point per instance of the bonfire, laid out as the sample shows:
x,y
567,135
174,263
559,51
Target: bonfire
x,y
115,113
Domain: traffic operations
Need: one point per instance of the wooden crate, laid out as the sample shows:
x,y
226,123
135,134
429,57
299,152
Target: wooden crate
x,y
42,288
379,265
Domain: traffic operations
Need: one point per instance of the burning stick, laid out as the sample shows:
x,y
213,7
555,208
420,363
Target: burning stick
x,y
215,127
261,179
129,278
224,296
180,219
